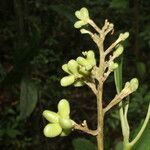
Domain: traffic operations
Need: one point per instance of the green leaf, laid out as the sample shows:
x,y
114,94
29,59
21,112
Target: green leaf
x,y
144,141
28,97
118,75
83,144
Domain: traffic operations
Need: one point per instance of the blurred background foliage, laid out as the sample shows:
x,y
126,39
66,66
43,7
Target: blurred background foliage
x,y
36,38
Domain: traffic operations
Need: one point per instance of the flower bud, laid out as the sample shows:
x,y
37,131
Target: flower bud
x,y
65,132
134,83
84,13
83,62
64,108
73,66
83,71
65,68
84,31
51,116
52,130
67,80
79,24
65,123
124,36
112,65
91,58
118,51
78,83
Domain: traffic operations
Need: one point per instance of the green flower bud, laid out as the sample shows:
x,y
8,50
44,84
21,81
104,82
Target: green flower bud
x,y
83,71
51,116
134,83
67,80
79,24
64,108
84,31
79,83
91,57
112,65
65,132
82,14
52,130
118,51
65,123
83,62
124,36
73,67
65,68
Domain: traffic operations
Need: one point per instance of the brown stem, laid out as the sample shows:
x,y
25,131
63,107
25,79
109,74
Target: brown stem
x,y
100,119
84,128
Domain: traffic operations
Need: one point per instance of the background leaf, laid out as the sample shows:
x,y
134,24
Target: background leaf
x,y
28,97
144,141
83,144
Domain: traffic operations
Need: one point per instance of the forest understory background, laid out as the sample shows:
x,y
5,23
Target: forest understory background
x,y
36,38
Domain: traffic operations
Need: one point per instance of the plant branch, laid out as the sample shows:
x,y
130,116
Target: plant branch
x,y
92,86
118,98
84,128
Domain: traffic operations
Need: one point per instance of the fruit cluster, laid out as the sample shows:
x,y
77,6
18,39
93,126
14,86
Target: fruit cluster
x,y
78,69
60,122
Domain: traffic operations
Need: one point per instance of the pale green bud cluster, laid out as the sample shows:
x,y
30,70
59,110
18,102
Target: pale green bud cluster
x,y
119,50
60,122
132,85
78,69
83,16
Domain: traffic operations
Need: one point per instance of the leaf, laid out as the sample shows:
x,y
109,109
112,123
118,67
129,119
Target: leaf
x,y
83,144
144,141
118,75
28,98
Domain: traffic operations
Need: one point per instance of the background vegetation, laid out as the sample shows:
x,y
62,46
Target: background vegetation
x,y
36,38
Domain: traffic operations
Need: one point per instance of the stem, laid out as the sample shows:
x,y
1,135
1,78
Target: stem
x,y
100,119
143,127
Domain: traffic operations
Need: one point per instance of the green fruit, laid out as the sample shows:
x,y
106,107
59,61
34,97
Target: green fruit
x,y
64,108
73,66
52,130
118,51
65,68
65,132
91,57
83,62
67,80
51,116
65,123
79,83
